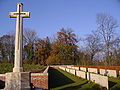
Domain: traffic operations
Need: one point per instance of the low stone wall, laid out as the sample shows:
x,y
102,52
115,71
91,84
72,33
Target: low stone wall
x,y
83,69
99,79
81,74
94,70
39,80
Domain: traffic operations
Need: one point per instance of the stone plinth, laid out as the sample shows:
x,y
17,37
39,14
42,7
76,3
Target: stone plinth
x,y
17,81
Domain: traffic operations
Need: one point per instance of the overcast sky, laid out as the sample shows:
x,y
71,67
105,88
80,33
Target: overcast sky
x,y
49,16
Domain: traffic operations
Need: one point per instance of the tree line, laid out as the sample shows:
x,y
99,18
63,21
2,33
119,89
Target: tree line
x,y
101,47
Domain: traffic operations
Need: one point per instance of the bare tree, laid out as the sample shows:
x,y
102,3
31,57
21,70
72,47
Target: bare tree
x,y
29,36
106,27
7,48
29,39
93,44
116,51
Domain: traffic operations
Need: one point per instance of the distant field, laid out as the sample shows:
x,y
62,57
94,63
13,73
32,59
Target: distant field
x,y
27,67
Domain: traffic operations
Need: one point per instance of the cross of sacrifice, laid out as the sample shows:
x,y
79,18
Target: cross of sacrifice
x,y
19,36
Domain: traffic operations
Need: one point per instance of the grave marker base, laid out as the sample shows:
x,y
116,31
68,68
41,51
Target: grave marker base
x,y
17,81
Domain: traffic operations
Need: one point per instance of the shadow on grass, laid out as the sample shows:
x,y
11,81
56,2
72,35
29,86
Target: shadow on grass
x,y
74,87
111,84
56,79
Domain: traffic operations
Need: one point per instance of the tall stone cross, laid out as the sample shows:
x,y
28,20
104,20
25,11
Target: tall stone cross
x,y
19,36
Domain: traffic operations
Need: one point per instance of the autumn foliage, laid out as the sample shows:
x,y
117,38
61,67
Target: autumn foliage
x,y
64,49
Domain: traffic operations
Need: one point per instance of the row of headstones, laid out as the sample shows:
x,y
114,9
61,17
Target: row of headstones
x,y
91,75
105,72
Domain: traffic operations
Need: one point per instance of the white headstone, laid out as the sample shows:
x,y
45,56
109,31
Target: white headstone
x,y
83,69
68,66
73,67
108,72
67,69
81,74
72,71
88,75
112,73
76,68
99,79
94,70
103,71
61,67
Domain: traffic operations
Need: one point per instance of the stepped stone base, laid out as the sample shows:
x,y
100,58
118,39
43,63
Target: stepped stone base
x,y
17,81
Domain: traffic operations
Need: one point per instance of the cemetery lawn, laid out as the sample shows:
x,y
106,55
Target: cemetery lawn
x,y
114,83
27,67
61,80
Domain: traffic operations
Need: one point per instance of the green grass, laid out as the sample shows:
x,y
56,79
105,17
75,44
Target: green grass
x,y
30,67
61,80
114,83
4,68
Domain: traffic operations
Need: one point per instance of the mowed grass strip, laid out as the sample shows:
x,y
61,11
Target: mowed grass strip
x,y
7,67
62,80
114,83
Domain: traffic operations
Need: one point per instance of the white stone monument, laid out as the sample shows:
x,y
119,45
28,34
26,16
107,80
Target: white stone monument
x,y
18,80
19,36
